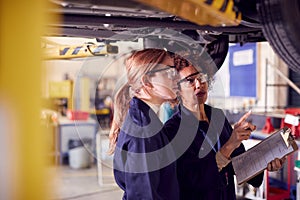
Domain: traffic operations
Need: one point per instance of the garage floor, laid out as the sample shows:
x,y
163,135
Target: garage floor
x,y
69,184
82,184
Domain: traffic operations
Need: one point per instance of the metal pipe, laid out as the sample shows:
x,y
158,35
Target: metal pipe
x,y
289,82
266,86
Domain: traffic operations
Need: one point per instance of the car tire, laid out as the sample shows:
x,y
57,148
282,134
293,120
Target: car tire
x,y
216,51
280,20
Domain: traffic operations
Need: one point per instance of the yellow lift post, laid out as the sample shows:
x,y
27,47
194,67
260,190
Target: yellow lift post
x,y
22,24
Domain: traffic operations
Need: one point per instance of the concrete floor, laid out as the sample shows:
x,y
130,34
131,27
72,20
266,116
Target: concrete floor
x,y
83,184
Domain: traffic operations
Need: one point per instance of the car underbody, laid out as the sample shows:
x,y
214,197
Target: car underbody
x,y
129,20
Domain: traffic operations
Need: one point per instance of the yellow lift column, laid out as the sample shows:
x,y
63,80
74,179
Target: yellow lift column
x,y
22,25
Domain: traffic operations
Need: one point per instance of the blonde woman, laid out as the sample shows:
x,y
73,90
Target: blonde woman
x,y
143,166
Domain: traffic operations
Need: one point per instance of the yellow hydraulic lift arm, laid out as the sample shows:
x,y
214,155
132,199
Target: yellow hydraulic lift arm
x,y
79,51
202,12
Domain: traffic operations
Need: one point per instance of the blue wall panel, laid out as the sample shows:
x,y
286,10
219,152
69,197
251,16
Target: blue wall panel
x,y
242,69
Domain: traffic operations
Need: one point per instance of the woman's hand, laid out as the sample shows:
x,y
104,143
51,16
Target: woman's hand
x,y
276,164
241,131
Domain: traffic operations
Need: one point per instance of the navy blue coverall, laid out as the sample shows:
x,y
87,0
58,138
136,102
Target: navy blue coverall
x,y
144,163
197,171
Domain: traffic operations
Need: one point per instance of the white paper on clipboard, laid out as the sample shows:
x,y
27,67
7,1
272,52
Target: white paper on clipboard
x,y
256,159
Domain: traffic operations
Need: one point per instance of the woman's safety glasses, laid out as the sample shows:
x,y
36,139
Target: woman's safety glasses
x,y
170,71
190,80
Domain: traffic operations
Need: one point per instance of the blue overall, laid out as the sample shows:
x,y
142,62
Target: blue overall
x,y
197,171
140,169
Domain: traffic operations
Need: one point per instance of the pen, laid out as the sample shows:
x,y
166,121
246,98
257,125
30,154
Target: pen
x,y
226,175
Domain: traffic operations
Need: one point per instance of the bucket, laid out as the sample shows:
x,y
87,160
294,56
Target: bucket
x,y
79,155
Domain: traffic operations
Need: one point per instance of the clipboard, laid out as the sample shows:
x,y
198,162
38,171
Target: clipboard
x,y
255,160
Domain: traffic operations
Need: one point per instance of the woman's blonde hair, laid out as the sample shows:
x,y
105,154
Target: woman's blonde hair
x,y
137,65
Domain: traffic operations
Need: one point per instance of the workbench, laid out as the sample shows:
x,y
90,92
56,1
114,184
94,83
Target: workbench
x,y
73,129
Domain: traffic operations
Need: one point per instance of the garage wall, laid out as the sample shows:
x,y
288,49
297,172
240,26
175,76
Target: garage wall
x,y
94,68
276,96
112,66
